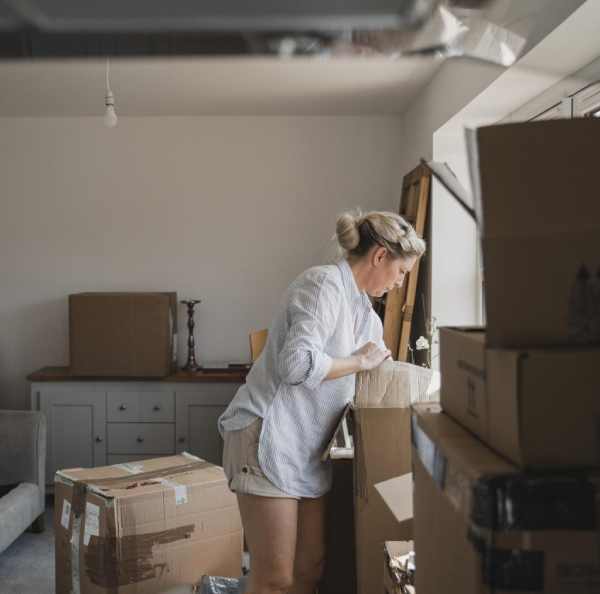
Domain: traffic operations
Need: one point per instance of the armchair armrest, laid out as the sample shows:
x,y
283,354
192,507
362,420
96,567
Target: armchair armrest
x,y
23,448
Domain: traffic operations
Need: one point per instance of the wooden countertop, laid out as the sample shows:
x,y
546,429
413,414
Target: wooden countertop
x,y
62,374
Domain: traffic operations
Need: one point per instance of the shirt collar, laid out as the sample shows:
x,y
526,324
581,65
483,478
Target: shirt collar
x,y
352,291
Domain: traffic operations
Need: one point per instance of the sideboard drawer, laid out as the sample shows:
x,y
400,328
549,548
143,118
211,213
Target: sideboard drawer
x,y
140,407
122,407
141,438
157,407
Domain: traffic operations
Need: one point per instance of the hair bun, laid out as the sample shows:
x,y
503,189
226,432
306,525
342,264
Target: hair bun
x,y
346,230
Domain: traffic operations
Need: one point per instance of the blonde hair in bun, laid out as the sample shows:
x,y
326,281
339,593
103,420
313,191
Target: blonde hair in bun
x,y
346,231
357,233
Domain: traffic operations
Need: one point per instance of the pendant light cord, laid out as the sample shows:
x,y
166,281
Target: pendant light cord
x,y
107,74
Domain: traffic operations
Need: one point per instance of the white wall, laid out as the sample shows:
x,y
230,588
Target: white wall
x,y
227,209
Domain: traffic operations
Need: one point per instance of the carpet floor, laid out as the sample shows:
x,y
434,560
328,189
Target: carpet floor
x,y
27,566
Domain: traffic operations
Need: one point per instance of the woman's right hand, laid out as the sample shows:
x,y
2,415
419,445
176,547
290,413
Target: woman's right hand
x,y
370,356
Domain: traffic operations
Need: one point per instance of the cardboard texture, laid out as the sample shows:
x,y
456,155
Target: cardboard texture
x,y
482,525
537,186
538,407
378,428
122,334
144,527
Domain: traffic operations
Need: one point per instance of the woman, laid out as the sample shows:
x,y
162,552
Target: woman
x,y
280,421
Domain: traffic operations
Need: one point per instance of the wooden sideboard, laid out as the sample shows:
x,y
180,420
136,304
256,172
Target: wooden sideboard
x,y
95,422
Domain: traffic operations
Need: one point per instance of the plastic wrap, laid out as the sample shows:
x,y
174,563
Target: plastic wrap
x,y
221,585
480,30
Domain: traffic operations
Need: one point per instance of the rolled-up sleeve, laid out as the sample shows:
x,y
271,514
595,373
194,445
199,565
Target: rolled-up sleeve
x,y
312,311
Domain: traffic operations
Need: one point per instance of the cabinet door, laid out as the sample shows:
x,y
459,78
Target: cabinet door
x,y
197,411
76,429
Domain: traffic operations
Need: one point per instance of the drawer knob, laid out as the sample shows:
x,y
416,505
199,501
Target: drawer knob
x,y
140,439
98,439
181,440
123,407
156,407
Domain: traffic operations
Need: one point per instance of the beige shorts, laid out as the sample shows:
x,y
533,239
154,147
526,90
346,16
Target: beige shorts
x,y
240,462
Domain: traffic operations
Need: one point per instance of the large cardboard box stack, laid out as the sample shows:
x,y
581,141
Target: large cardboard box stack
x,y
123,334
506,498
144,527
360,522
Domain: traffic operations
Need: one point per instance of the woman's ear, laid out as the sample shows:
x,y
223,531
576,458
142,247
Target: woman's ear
x,y
379,254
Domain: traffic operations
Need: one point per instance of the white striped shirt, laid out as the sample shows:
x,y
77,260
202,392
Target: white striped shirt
x,y
323,316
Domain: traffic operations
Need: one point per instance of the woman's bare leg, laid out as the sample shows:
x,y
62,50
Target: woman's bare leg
x,y
310,546
270,525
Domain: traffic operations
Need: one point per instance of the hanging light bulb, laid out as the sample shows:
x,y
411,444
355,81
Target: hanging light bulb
x,y
110,116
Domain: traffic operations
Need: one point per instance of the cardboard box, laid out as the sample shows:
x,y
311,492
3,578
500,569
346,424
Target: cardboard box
x,y
377,429
482,525
536,190
537,407
123,334
144,527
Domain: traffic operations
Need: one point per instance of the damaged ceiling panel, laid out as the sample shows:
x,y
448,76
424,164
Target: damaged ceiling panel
x,y
321,28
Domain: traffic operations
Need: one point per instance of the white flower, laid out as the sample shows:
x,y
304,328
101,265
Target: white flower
x,y
422,344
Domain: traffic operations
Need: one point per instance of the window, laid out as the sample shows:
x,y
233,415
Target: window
x,y
586,102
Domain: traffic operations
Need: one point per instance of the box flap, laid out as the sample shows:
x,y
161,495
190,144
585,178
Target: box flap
x,y
476,333
397,493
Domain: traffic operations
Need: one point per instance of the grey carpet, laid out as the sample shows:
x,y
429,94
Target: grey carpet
x,y
27,566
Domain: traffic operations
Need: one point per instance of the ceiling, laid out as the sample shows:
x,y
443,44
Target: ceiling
x,y
214,86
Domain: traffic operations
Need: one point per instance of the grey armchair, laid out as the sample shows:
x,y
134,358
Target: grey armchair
x,y
22,467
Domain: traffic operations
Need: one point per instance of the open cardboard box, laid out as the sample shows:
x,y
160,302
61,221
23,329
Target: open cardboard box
x,y
535,198
372,444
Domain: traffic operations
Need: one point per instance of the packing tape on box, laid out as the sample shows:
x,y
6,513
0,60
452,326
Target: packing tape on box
x,y
112,562
130,467
109,561
101,565
122,482
74,542
181,494
511,503
519,501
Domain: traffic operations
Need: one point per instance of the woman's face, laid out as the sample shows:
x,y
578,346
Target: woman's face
x,y
387,272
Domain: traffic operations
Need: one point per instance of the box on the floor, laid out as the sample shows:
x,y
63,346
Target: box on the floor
x,y
144,527
537,407
482,525
392,580
536,190
380,422
123,334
